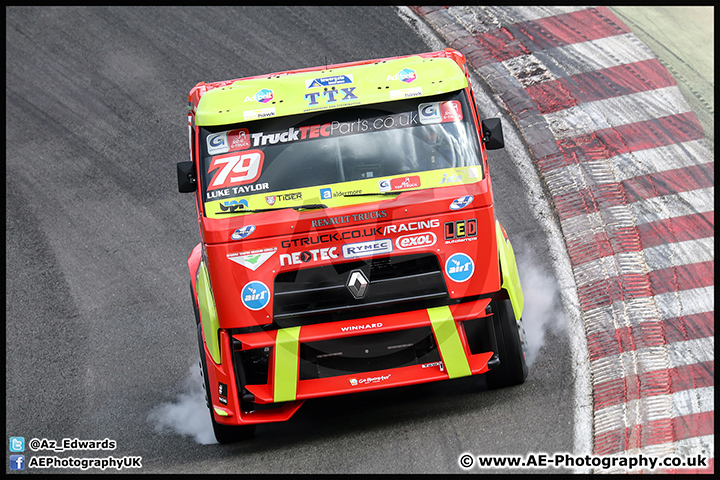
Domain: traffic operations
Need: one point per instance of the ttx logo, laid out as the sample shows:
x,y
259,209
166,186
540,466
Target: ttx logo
x,y
460,229
330,96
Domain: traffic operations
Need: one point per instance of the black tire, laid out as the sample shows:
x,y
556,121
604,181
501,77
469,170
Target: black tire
x,y
510,336
223,433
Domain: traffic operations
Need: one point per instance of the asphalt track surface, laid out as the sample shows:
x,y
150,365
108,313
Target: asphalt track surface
x,y
99,328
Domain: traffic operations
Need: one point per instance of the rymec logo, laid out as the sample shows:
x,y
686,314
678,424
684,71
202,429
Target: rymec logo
x,y
263,96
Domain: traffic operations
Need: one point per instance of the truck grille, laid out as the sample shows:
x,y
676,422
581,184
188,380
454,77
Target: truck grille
x,y
320,294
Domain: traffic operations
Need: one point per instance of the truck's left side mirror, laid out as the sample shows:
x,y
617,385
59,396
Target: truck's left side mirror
x,y
187,183
492,133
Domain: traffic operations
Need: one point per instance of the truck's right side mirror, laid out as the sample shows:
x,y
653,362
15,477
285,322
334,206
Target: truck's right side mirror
x,y
187,183
492,133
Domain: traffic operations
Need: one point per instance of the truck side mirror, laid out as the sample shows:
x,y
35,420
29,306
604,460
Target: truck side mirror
x,y
187,183
492,133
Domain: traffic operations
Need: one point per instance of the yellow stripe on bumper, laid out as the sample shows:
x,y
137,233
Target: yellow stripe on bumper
x,y
448,340
286,365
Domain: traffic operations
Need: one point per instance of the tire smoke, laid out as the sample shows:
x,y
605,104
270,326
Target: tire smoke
x,y
542,309
188,415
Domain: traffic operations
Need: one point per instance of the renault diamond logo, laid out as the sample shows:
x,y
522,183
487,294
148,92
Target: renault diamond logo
x,y
357,283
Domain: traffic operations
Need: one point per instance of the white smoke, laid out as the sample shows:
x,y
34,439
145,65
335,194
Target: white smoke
x,y
188,415
542,309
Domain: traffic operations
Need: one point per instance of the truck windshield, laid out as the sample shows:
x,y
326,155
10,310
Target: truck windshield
x,y
323,157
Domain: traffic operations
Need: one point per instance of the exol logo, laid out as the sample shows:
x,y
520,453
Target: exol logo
x,y
417,240
459,267
357,283
297,258
263,96
255,295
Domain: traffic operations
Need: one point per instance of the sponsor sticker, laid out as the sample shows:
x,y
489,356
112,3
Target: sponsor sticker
x,y
406,93
368,380
255,295
462,202
234,205
329,81
252,259
331,97
298,258
459,267
263,96
367,249
406,75
223,142
258,113
243,232
416,240
403,183
235,169
440,112
460,230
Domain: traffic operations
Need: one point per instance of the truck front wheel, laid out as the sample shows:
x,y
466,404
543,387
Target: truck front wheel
x,y
510,335
223,433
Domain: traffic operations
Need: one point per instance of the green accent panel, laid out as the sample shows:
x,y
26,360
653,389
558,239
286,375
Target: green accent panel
x,y
448,340
294,93
286,364
220,412
510,277
208,313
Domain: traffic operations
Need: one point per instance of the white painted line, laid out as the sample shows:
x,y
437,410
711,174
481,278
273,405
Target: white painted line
x,y
661,159
693,446
598,54
696,400
676,205
685,302
612,112
691,351
628,165
646,409
680,253
643,360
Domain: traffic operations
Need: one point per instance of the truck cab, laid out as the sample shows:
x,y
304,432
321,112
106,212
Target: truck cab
x,y
348,239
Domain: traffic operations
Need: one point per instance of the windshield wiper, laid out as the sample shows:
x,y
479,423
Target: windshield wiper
x,y
234,209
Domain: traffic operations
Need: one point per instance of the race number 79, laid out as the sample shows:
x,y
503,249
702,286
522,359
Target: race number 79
x,y
235,169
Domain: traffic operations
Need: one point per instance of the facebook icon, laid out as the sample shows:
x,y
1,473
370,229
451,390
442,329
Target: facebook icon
x,y
17,462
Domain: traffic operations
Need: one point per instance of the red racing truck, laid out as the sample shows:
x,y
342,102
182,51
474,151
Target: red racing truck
x,y
348,237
